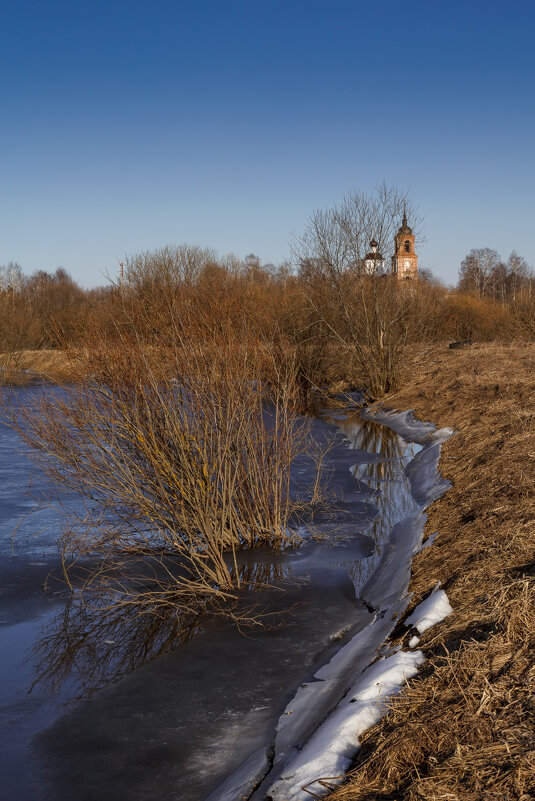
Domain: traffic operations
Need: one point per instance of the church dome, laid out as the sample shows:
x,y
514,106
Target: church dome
x,y
373,255
404,228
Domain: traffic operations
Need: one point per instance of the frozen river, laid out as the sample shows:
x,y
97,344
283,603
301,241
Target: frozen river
x,y
124,710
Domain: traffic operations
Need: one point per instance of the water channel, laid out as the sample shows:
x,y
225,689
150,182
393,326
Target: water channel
x,y
126,710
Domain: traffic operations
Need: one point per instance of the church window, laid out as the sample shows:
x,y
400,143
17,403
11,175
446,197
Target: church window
x,y
407,246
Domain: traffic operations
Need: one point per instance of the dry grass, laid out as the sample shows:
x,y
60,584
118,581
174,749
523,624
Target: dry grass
x,y
465,729
25,366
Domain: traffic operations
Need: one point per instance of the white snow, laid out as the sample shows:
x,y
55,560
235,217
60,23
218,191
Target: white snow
x,y
328,753
405,424
413,642
442,434
432,610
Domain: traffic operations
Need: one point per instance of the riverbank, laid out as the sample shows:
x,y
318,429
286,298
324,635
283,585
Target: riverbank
x,y
464,728
35,366
185,702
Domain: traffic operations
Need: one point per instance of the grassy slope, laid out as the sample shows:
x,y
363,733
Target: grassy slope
x,y
465,729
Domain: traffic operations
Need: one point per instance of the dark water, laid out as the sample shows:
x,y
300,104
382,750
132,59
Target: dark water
x,y
161,718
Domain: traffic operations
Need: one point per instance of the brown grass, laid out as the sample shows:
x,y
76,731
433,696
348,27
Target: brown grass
x,y
25,366
465,728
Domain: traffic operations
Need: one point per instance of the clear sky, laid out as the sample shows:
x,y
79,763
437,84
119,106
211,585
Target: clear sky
x,y
127,125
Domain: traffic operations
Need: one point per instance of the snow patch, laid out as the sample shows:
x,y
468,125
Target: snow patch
x,y
315,700
405,424
432,610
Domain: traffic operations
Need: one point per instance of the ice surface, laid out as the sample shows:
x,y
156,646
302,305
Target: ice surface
x,y
314,700
432,610
366,641
302,757
329,752
202,709
429,541
403,423
391,577
242,782
427,485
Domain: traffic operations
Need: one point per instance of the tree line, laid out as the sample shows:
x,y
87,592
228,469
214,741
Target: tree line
x,y
485,274
318,310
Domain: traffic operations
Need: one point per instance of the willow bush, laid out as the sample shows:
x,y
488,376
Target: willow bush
x,y
182,445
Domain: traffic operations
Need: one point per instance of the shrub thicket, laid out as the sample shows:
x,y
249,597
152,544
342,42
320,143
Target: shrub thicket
x,y
353,329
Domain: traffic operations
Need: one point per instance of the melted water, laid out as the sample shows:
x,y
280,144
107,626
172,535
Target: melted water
x,y
125,710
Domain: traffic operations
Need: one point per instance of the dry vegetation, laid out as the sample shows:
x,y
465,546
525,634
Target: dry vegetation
x,y
25,366
465,729
180,436
345,330
201,476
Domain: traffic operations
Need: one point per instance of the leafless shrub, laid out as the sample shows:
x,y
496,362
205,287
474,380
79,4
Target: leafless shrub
x,y
181,443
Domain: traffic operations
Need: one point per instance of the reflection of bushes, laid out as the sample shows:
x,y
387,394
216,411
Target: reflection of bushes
x,y
385,479
98,639
99,643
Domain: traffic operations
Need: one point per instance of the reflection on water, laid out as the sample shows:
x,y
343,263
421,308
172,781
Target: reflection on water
x,y
219,692
384,477
95,641
98,638
93,644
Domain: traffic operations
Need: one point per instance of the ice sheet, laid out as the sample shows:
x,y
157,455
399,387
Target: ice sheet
x,y
390,579
242,782
329,752
314,700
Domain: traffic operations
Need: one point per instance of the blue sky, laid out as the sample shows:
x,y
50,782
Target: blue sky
x,y
128,125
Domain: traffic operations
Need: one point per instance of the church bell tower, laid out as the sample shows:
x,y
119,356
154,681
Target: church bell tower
x,y
405,260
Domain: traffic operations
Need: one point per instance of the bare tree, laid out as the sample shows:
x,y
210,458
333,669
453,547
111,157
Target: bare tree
x,y
477,271
366,315
518,273
11,277
427,276
499,283
168,267
335,240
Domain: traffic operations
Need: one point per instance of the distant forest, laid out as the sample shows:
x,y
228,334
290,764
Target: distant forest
x,y
493,298
319,311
